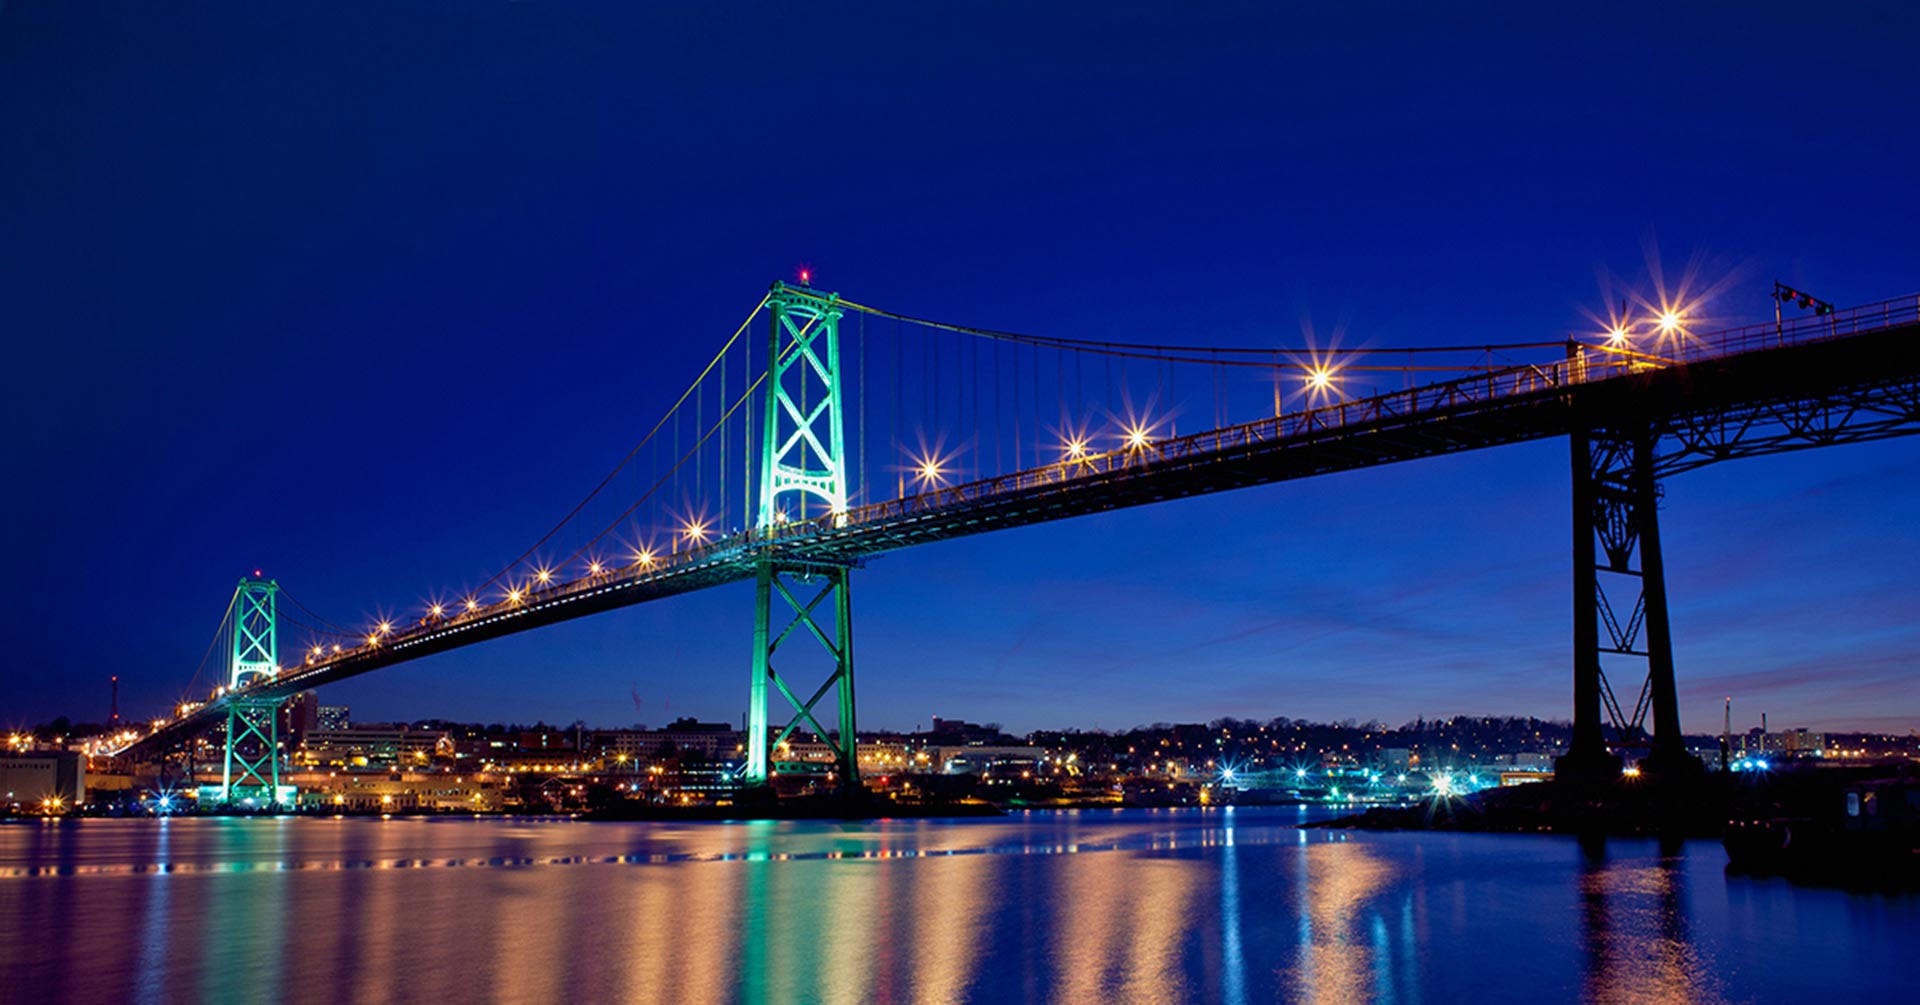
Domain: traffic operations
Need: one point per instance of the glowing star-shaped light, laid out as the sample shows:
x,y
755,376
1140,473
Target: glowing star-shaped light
x,y
929,469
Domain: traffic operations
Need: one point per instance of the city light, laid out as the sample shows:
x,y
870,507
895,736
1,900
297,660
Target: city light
x,y
386,628
1319,378
1617,336
472,604
513,595
929,469
593,568
544,575
643,557
436,610
1138,436
694,530
1076,449
1669,322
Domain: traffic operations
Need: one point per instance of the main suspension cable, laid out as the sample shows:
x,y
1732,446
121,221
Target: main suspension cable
x,y
218,634
745,396
1096,346
672,412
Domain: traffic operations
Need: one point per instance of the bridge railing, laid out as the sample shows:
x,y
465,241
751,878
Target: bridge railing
x,y
1585,363
1798,330
1404,404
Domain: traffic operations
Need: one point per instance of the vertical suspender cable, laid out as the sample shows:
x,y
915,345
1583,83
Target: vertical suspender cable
x,y
747,456
1079,391
1036,406
973,430
862,444
1016,408
893,432
998,467
699,423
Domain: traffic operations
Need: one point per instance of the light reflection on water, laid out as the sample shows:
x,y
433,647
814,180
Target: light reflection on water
x,y
1139,906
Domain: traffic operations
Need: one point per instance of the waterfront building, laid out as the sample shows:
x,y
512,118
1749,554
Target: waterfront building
x,y
1790,743
711,740
374,745
35,780
987,760
365,792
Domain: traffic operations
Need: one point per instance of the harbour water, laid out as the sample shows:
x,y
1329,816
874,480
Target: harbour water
x,y
1211,905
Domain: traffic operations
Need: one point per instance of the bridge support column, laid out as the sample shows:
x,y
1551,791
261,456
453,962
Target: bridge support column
x,y
836,638
802,464
1587,758
251,768
1616,539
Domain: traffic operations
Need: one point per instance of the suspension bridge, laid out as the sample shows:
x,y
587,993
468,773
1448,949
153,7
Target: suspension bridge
x,y
857,431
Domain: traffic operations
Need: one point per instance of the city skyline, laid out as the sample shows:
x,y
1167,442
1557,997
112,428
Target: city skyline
x,y
368,420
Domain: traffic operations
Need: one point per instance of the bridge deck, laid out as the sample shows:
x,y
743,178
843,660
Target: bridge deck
x,y
1849,377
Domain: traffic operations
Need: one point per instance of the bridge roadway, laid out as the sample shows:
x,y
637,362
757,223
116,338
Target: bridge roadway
x,y
1849,377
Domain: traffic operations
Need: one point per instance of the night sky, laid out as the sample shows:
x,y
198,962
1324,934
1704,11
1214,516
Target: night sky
x,y
366,296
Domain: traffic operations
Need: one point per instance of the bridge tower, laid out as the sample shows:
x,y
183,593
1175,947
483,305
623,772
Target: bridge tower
x,y
251,769
803,476
1616,539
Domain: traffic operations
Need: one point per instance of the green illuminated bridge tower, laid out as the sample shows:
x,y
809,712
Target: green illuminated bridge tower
x,y
802,465
250,772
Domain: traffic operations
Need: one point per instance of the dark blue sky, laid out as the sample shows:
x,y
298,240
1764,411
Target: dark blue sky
x,y
366,297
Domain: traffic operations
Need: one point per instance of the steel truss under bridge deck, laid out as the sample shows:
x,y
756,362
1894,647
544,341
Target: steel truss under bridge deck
x,y
1758,399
